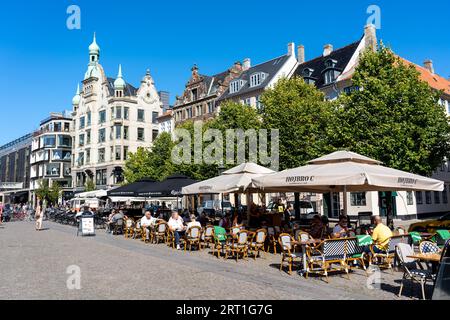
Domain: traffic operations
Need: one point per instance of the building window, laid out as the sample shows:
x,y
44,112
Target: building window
x,y
125,153
155,116
210,107
357,199
126,113
419,199
140,134
141,115
155,134
125,132
118,112
89,118
82,122
256,79
101,155
100,177
428,197
259,104
81,140
118,129
437,197
80,160
112,113
329,77
102,116
248,102
118,153
189,113
53,170
65,141
194,94
235,86
88,156
49,141
102,135
445,195
88,137
409,198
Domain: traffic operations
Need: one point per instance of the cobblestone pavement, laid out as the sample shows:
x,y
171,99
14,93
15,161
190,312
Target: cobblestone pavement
x,y
34,266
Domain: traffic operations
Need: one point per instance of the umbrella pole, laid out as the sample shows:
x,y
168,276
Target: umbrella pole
x,y
345,201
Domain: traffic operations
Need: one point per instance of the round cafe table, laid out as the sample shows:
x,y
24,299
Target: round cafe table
x,y
304,244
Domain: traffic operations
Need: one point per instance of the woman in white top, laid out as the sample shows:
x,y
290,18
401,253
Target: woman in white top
x,y
193,223
38,215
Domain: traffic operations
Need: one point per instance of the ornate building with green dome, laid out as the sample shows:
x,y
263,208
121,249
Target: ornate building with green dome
x,y
111,118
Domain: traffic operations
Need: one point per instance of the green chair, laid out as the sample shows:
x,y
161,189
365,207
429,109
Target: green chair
x,y
441,237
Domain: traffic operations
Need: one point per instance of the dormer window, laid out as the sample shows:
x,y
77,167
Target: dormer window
x,y
119,93
257,78
236,85
307,72
330,77
194,94
330,63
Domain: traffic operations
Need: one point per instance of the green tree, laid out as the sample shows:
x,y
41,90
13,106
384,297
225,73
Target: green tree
x,y
90,185
138,166
54,193
43,190
303,117
394,117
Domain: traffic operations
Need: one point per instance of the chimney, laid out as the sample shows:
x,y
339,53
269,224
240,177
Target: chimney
x,y
428,64
370,37
301,53
327,50
247,64
291,48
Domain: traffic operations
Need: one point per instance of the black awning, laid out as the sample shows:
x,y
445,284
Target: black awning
x,y
171,187
131,190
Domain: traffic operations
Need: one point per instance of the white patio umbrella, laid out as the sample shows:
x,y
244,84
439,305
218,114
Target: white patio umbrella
x,y
345,171
237,179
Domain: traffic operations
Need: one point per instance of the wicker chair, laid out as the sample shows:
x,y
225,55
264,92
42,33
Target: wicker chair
x,y
333,252
410,270
159,234
355,252
257,244
287,252
428,247
193,238
129,228
240,245
388,256
208,235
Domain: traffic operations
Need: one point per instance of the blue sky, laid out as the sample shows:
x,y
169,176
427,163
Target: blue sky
x,y
41,61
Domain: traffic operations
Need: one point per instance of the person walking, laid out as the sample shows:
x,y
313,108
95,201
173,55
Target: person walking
x,y
39,216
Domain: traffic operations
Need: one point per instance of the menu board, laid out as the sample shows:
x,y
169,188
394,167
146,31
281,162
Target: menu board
x,y
87,226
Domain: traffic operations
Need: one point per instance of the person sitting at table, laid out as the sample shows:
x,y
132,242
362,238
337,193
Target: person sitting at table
x,y
147,221
186,216
288,214
317,227
341,229
176,225
193,223
235,220
225,222
380,236
204,220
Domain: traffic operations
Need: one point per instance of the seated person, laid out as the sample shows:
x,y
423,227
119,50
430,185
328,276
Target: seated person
x,y
341,230
225,222
204,220
193,223
176,225
186,216
147,221
380,235
317,227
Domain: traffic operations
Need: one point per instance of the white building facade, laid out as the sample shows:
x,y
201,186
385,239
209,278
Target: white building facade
x,y
111,118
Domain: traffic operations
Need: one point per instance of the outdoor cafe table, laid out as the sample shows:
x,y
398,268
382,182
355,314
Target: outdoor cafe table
x,y
430,257
304,244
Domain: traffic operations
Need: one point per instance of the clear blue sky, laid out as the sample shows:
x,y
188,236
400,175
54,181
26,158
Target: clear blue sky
x,y
41,61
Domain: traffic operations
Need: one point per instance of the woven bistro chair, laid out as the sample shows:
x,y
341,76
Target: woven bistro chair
x,y
333,252
159,234
428,247
257,244
388,256
410,270
355,253
193,238
287,251
129,228
240,245
208,235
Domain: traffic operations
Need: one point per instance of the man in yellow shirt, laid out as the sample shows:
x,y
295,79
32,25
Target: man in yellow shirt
x,y
380,235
